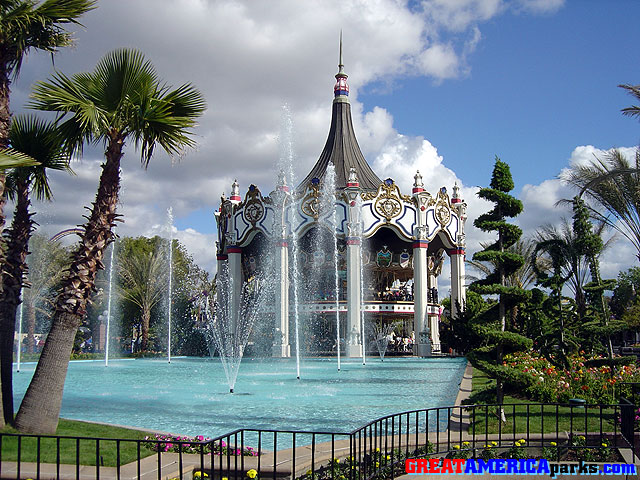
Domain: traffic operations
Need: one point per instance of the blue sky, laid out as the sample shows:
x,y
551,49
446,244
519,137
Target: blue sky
x,y
437,85
537,87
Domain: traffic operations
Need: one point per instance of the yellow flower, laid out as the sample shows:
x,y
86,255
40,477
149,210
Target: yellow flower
x,y
388,457
522,441
377,464
377,449
465,443
198,474
457,447
553,444
494,443
581,437
337,460
252,473
604,444
309,472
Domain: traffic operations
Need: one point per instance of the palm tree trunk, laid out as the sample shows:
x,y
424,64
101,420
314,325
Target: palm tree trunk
x,y
146,319
5,120
13,272
40,408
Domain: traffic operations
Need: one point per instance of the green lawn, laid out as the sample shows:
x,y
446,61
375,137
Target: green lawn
x,y
70,450
535,418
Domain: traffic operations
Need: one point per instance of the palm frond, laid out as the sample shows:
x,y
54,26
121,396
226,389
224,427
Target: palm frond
x,y
41,140
24,25
10,158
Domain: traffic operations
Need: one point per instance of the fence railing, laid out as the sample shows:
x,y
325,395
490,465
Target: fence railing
x,y
377,450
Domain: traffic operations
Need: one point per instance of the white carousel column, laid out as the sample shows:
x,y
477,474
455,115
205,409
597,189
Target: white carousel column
x,y
433,313
235,278
354,337
422,345
458,293
281,347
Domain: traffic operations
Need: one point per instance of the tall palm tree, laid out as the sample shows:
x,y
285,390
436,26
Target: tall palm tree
x,y
41,141
26,25
613,183
144,278
122,99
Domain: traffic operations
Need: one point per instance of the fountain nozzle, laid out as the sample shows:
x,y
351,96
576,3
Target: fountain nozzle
x,y
231,390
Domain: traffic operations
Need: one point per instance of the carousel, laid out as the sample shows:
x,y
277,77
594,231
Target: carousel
x,y
390,247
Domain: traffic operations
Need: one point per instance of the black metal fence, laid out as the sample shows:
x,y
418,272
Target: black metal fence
x,y
377,450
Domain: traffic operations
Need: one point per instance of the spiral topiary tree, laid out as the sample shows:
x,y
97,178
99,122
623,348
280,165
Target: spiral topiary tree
x,y
491,325
590,245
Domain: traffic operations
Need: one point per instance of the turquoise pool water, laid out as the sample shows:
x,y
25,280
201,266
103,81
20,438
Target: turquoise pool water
x,y
190,395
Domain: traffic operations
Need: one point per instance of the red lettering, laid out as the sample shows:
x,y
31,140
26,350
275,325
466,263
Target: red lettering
x,y
423,466
446,466
459,464
410,466
434,465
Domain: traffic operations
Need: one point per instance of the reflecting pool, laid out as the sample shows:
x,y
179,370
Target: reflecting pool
x,y
191,396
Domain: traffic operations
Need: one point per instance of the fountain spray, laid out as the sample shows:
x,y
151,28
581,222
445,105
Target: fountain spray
x,y
286,165
170,292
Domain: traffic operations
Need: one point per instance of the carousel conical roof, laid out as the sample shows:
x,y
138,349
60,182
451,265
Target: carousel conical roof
x,y
342,147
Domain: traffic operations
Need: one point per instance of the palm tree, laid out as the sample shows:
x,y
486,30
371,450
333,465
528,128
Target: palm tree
x,y
27,25
41,141
144,277
612,183
121,99
524,277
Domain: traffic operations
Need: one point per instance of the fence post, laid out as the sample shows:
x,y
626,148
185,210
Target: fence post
x,y
627,422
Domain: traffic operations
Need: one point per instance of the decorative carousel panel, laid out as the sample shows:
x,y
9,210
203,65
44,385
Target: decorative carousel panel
x,y
341,218
298,219
241,226
371,222
454,228
432,224
267,222
406,221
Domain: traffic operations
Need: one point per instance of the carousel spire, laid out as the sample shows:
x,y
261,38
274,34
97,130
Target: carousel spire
x,y
341,88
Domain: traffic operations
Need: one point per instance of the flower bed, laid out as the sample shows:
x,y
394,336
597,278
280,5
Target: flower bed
x,y
195,445
600,384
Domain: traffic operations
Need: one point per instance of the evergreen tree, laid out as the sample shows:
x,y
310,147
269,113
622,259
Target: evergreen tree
x,y
590,245
491,325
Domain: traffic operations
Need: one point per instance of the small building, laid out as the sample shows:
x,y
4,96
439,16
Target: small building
x,y
390,245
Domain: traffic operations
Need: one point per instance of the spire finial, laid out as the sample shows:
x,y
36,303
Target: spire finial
x,y
340,64
341,88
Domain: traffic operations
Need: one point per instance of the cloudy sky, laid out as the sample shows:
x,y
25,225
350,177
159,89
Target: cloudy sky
x,y
442,86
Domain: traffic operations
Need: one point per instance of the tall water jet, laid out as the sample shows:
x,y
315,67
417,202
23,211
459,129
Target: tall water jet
x,y
108,329
227,328
170,290
362,330
286,165
328,211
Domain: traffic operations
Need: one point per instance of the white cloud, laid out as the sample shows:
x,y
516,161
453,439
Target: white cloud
x,y
249,58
